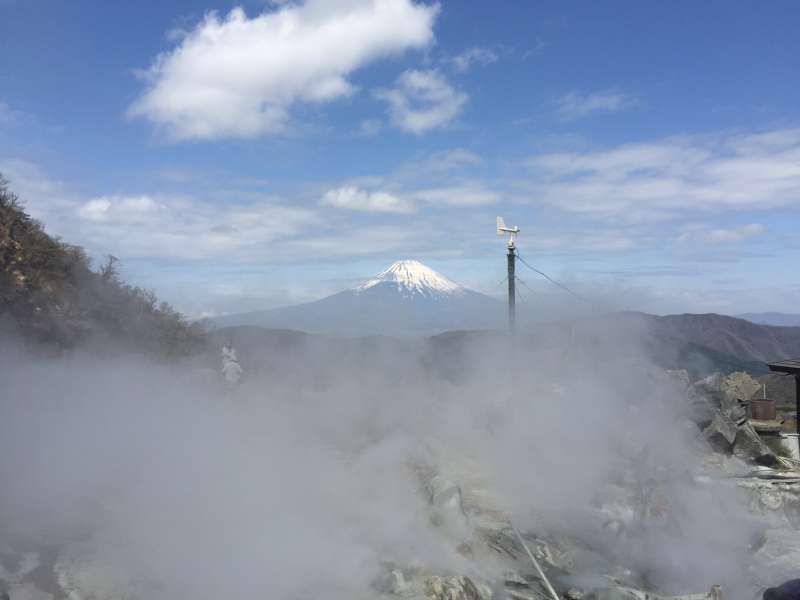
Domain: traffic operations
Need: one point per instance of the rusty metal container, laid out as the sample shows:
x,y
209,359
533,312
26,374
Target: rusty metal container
x,y
762,410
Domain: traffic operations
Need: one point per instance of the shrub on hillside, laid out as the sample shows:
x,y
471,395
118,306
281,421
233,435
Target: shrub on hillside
x,y
50,293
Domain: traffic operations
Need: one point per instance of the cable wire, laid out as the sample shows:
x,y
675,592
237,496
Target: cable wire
x,y
526,285
520,297
553,281
542,576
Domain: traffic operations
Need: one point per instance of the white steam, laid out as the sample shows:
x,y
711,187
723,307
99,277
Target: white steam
x,y
301,483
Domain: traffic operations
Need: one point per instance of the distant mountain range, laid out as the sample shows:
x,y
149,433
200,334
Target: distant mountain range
x,y
406,298
410,298
772,318
701,344
706,342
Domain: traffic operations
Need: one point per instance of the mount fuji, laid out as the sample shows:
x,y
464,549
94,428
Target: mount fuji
x,y
406,298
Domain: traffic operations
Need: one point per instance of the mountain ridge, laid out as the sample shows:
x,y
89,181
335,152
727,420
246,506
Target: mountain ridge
x,y
699,343
407,298
776,319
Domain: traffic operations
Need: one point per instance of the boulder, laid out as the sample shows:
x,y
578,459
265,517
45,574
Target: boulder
x,y
420,585
455,587
447,501
748,445
623,593
742,440
740,386
721,432
727,393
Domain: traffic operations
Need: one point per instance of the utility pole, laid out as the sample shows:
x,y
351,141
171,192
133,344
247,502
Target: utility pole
x,y
512,293
512,278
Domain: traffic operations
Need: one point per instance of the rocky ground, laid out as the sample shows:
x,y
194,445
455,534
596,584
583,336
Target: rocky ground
x,y
593,557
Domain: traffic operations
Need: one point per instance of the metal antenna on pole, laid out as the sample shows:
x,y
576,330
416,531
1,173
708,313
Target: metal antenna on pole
x,y
512,295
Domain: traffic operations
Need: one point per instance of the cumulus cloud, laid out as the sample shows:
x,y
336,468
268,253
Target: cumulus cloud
x,y
351,197
723,236
127,208
422,101
244,228
474,56
239,77
668,177
574,105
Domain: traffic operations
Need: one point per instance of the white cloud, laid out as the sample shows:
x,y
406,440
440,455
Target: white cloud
x,y
723,236
131,209
645,181
147,226
575,106
462,194
186,230
389,241
350,197
439,166
422,101
474,56
370,127
602,241
42,197
456,158
353,197
239,77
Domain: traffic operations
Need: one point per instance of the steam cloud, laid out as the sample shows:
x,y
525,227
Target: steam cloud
x,y
301,483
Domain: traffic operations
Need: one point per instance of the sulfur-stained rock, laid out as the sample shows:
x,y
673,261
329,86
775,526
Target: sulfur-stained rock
x,y
419,584
456,587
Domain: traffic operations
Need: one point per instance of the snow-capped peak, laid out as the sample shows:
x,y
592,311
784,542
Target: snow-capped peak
x,y
412,276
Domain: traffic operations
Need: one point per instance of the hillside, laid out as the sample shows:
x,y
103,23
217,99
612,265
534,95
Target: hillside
x,y
737,337
700,343
50,296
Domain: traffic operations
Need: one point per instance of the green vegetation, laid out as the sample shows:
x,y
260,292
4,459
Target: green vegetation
x,y
701,360
49,294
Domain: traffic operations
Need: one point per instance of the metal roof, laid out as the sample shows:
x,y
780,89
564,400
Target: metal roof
x,y
791,365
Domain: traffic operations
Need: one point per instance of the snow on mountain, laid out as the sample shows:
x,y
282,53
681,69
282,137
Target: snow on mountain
x,y
406,298
411,277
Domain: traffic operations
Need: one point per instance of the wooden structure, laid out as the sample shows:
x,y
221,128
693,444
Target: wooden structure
x,y
791,367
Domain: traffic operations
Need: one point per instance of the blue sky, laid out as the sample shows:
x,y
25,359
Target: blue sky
x,y
238,156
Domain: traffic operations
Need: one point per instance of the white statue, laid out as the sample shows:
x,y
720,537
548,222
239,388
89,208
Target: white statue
x,y
231,369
